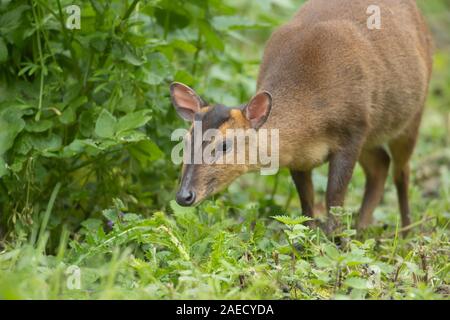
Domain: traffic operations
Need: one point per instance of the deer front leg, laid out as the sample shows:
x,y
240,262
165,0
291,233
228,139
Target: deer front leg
x,y
304,184
341,166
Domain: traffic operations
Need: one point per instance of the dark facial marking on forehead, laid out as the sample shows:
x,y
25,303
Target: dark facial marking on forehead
x,y
214,117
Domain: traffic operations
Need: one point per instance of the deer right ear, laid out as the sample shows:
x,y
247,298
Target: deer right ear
x,y
185,100
258,109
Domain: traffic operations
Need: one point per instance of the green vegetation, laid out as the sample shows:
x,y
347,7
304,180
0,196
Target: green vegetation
x,y
86,178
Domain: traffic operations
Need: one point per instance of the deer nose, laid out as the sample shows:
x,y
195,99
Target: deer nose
x,y
185,197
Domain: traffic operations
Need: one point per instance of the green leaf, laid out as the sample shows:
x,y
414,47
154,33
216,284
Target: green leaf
x,y
291,221
11,124
184,77
211,36
131,136
323,262
127,104
133,120
78,101
356,257
11,19
48,143
92,224
78,146
68,116
177,209
185,46
145,152
131,217
157,69
132,58
111,214
3,51
171,17
332,252
23,144
3,168
86,122
40,126
357,283
18,163
106,122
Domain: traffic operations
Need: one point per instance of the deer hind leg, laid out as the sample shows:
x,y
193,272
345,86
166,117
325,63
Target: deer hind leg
x,y
304,184
401,149
375,163
341,166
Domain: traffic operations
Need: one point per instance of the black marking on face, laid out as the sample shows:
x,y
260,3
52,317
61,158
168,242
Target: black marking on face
x,y
213,118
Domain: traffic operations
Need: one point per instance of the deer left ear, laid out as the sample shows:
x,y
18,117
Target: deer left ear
x,y
258,109
185,100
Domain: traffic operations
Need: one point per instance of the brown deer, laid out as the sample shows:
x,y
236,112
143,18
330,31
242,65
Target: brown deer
x,y
338,92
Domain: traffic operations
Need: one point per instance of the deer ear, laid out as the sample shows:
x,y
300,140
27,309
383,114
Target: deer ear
x,y
185,100
258,109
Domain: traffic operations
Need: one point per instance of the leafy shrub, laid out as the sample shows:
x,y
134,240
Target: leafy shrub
x,y
89,108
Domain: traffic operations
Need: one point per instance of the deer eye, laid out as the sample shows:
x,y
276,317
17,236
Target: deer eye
x,y
226,146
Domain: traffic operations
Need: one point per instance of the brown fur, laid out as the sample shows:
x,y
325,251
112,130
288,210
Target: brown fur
x,y
348,90
340,93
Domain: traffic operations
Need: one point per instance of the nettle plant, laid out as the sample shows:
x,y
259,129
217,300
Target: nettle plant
x,y
204,253
89,107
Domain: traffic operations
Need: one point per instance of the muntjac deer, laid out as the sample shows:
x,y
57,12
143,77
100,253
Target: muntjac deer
x,y
338,91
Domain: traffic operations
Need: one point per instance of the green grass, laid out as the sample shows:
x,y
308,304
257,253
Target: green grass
x,y
223,253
